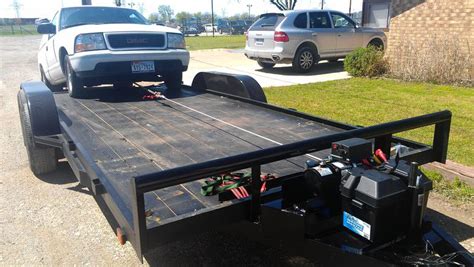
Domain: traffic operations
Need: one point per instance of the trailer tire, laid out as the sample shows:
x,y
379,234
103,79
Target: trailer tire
x,y
42,159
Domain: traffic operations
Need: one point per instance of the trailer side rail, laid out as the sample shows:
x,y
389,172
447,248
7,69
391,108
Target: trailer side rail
x,y
382,133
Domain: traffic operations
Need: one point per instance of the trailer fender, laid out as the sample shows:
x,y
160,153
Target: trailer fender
x,y
232,84
41,107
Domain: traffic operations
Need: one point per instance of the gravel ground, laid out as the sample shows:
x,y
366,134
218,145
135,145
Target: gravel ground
x,y
52,221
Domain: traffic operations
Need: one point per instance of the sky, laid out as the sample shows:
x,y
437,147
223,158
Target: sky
x,y
46,8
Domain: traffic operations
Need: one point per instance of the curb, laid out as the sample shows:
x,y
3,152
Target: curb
x,y
451,169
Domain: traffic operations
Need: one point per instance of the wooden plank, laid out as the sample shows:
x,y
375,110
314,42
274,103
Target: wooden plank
x,y
184,200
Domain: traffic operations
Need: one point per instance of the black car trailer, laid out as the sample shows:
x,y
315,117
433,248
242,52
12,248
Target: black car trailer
x,y
158,161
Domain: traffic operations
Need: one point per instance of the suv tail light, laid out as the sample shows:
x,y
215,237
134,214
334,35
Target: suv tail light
x,y
246,36
281,37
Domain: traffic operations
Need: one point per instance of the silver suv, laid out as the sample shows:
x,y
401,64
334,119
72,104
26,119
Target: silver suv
x,y
304,37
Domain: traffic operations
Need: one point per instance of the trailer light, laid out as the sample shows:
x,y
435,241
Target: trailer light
x,y
89,42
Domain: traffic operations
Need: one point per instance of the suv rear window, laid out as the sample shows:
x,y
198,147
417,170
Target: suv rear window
x,y
267,22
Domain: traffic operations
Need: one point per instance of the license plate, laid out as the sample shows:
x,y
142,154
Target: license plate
x,y
143,66
259,41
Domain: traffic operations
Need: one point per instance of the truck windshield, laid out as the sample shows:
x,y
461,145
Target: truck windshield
x,y
267,22
76,16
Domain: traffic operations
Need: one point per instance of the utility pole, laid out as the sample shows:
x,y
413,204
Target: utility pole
x,y
212,17
350,8
17,7
249,6
322,4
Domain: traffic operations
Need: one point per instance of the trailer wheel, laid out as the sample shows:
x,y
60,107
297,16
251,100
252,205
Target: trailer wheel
x,y
42,159
75,85
173,81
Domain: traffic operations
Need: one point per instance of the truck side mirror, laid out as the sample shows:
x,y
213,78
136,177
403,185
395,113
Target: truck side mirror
x,y
46,28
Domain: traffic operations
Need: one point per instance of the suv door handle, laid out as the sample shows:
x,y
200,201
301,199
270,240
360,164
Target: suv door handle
x,y
339,35
46,48
314,34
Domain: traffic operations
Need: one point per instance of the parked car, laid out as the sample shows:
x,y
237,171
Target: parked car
x,y
189,30
91,45
223,26
208,27
237,27
304,37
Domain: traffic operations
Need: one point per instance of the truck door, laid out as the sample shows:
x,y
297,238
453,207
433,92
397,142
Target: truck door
x,y
54,68
322,33
348,37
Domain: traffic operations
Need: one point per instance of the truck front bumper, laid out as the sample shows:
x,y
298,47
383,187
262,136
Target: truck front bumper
x,y
110,63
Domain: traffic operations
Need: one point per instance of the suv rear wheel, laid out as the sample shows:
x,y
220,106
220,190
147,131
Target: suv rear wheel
x,y
75,85
265,65
304,60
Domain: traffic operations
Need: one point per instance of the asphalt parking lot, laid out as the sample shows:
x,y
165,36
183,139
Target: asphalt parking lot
x,y
51,220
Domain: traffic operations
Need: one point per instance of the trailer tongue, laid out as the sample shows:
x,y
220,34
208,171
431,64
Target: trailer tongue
x,y
171,164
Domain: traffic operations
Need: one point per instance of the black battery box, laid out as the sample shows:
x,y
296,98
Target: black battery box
x,y
351,150
375,204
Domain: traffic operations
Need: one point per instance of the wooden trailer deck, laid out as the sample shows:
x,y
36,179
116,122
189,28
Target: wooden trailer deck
x,y
128,137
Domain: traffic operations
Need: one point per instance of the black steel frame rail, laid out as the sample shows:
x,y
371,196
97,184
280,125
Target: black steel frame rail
x,y
382,133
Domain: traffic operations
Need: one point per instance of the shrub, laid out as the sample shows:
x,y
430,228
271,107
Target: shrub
x,y
366,62
440,59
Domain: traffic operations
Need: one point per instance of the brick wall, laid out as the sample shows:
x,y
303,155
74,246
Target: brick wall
x,y
421,24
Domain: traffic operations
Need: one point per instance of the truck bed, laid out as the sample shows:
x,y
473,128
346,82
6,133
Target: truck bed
x,y
128,137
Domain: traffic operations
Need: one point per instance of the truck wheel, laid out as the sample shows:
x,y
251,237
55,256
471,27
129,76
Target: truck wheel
x,y
304,60
53,88
75,85
265,65
173,81
42,159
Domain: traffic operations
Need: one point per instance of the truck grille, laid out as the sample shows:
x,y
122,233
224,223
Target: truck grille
x,y
120,41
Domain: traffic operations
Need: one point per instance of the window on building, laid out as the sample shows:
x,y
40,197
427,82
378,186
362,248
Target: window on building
x,y
377,14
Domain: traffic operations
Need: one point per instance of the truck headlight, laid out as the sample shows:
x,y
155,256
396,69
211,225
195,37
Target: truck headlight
x,y
89,42
176,41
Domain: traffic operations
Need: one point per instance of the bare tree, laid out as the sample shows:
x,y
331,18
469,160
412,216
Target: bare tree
x,y
284,4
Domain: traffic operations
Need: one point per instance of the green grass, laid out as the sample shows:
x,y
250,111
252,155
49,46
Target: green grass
x,y
17,30
361,101
456,190
209,42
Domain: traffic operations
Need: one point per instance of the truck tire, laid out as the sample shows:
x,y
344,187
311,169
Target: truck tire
x,y
173,81
304,60
265,65
75,85
42,159
53,88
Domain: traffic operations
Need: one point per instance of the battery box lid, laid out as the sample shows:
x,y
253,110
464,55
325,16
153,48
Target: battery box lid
x,y
373,187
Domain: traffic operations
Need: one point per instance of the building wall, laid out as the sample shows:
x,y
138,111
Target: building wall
x,y
423,24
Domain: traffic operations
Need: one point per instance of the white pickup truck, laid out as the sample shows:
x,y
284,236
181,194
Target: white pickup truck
x,y
91,45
